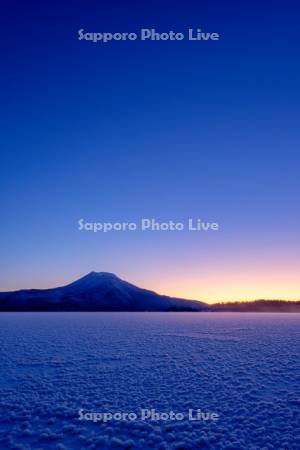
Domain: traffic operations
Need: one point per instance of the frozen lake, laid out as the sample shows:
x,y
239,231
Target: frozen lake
x,y
245,368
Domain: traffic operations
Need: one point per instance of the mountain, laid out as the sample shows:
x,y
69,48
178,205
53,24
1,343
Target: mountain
x,y
96,291
103,291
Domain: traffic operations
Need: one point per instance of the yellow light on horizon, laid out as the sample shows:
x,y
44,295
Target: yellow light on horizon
x,y
225,289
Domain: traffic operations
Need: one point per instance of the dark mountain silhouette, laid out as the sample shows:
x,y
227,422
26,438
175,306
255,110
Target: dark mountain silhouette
x,y
102,291
97,291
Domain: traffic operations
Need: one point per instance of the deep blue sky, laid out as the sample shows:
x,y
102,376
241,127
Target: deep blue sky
x,y
170,130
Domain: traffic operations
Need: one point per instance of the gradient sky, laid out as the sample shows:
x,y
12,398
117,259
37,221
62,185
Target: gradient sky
x,y
168,130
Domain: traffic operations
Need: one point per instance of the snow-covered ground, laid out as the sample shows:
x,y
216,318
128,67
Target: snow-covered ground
x,y
243,367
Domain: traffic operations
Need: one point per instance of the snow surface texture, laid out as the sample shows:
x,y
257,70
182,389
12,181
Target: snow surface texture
x,y
245,367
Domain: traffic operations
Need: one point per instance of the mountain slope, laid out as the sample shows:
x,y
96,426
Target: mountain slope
x,y
96,291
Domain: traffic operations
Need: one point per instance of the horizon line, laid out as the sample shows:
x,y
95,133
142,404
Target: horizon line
x,y
210,301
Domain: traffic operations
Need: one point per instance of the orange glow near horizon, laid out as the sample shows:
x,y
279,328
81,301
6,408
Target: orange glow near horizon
x,y
237,282
227,293
211,285
234,288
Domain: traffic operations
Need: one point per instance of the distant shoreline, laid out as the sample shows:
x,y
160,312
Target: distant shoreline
x,y
105,292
